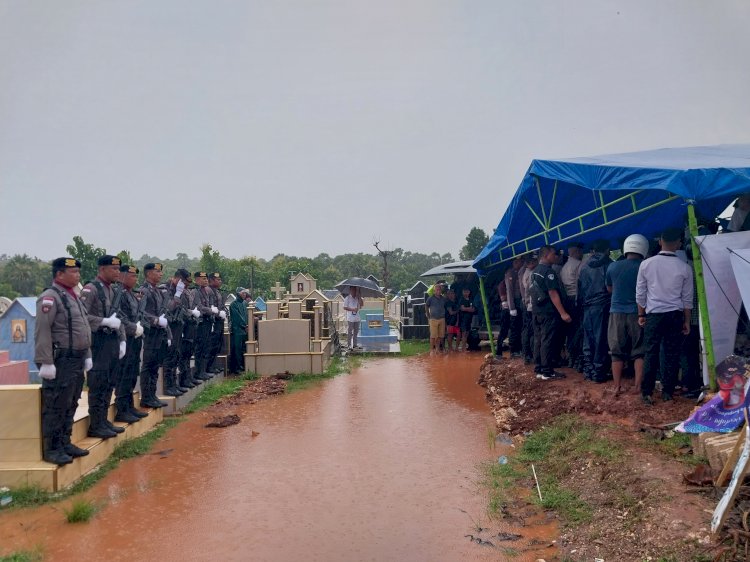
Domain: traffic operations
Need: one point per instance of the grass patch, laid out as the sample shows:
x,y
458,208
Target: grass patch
x,y
675,447
554,451
23,556
409,348
81,511
214,392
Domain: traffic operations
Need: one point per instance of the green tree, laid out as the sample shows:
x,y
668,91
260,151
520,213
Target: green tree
x,y
25,275
88,255
476,240
125,257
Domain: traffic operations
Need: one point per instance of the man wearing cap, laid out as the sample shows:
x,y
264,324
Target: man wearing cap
x,y
205,328
130,364
192,319
217,337
664,295
238,331
101,298
62,351
156,328
176,314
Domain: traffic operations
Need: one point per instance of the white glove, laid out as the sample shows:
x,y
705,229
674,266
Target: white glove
x,y
222,315
214,310
179,288
514,312
138,329
48,372
112,322
169,343
123,347
195,312
505,305
162,321
528,307
88,364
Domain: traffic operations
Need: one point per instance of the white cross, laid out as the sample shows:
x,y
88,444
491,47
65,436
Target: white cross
x,y
278,290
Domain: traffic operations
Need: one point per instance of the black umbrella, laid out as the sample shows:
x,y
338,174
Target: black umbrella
x,y
366,287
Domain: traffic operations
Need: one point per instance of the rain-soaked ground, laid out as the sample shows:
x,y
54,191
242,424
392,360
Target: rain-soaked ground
x,y
381,464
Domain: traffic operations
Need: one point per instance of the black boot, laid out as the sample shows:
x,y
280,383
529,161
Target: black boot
x,y
126,416
54,453
170,387
113,427
97,428
73,450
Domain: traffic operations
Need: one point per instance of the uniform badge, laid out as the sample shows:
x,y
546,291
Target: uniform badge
x,y
47,304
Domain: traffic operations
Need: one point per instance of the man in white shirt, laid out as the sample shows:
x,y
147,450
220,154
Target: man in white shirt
x,y
664,295
352,305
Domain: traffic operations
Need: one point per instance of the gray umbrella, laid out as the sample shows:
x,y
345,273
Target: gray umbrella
x,y
366,287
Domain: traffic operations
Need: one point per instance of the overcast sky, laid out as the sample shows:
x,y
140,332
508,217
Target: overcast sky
x,y
303,126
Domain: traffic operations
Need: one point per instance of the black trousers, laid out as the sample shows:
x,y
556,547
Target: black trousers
x,y
60,397
153,339
173,352
516,328
692,368
596,360
662,328
202,345
546,327
237,351
527,335
504,329
101,379
186,348
217,343
129,368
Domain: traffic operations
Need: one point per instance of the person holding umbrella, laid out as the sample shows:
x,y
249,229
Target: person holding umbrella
x,y
352,304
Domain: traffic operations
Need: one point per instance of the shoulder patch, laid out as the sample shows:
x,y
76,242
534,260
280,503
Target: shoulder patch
x,y
86,290
551,276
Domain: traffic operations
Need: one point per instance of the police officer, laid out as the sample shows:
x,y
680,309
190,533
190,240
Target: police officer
x,y
205,328
101,299
176,314
238,329
190,327
62,351
130,364
156,329
217,337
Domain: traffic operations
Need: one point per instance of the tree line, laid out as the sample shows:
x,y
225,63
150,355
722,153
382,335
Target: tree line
x,y
22,275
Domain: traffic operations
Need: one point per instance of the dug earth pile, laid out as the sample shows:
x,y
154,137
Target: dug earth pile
x,y
640,505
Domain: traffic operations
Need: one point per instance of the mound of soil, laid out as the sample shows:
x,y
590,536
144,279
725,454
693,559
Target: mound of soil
x,y
253,392
643,508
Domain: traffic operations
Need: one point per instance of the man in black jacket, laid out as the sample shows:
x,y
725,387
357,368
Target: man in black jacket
x,y
595,299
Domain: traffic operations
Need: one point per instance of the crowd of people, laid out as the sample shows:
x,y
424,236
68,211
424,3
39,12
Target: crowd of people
x,y
115,332
603,317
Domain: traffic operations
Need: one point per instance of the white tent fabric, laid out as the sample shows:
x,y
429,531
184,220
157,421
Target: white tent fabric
x,y
722,291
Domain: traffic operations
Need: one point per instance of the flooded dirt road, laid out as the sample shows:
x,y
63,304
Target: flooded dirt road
x,y
380,464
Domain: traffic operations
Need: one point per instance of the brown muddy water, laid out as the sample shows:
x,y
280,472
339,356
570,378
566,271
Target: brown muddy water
x,y
380,464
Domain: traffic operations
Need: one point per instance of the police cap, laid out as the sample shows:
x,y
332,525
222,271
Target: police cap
x,y
215,275
106,259
125,268
149,266
61,263
200,275
182,273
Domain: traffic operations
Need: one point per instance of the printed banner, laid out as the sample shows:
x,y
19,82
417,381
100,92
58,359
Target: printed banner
x,y
725,412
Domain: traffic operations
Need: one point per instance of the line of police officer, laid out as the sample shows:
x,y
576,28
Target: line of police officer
x,y
113,332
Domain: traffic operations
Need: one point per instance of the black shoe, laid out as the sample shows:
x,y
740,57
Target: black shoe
x,y
647,400
172,391
516,355
217,370
113,427
126,417
102,432
202,376
73,451
137,413
554,375
598,380
58,457
666,397
182,388
154,403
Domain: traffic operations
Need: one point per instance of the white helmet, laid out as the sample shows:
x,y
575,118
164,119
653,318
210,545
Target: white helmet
x,y
637,244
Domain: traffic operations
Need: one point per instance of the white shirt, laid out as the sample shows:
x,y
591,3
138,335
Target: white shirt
x,y
665,284
352,302
569,276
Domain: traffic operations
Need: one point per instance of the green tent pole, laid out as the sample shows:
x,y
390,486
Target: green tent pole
x,y
702,302
486,314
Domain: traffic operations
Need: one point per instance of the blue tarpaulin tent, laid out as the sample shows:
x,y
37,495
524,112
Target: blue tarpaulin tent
x,y
613,196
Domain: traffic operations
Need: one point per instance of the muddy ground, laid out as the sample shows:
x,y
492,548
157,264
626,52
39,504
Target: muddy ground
x,y
667,519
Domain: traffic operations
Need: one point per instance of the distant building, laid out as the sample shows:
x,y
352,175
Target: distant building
x,y
301,284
